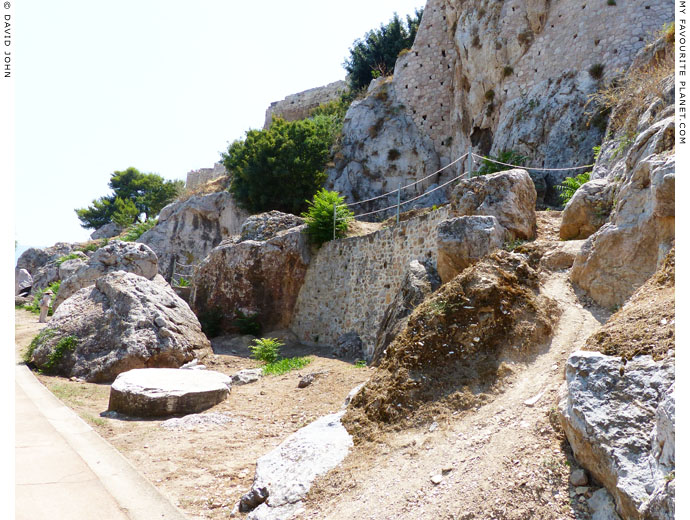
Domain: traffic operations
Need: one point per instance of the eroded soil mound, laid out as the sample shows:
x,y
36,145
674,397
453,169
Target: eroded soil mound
x,y
454,348
646,323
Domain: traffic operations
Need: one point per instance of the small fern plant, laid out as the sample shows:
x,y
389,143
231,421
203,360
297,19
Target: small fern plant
x,y
570,185
266,349
319,217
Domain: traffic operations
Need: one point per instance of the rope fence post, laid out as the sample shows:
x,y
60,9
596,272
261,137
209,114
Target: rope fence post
x,y
469,156
397,211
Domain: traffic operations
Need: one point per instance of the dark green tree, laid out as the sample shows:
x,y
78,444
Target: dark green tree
x,y
376,53
280,167
138,194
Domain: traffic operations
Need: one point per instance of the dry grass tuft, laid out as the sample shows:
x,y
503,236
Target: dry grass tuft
x,y
212,186
628,96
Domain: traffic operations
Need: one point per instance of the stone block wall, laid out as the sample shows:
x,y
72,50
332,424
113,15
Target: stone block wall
x,y
350,282
203,175
298,106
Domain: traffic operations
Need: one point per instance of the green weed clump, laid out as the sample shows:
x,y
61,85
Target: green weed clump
x,y
284,365
266,349
64,258
42,336
570,185
320,216
136,230
63,346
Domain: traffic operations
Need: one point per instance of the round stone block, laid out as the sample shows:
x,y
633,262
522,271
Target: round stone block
x,y
150,392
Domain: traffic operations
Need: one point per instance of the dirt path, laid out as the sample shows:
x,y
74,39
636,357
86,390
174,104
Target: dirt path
x,y
505,460
205,469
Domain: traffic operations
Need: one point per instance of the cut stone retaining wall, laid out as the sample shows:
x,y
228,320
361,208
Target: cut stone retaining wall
x,y
350,282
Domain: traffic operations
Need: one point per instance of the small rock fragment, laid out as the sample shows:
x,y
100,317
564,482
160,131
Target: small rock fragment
x,y
578,477
436,479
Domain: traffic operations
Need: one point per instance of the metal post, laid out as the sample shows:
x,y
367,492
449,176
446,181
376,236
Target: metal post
x,y
172,277
397,211
469,155
335,205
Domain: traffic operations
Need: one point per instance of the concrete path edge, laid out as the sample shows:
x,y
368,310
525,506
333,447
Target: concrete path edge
x,y
130,489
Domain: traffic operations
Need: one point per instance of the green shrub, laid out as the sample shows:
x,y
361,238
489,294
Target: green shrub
x,y
42,336
278,168
211,321
136,230
247,323
319,217
360,363
266,349
284,365
505,156
93,246
62,347
183,282
64,259
570,185
375,54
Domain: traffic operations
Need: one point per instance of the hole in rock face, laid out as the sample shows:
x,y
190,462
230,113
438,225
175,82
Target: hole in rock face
x,y
482,139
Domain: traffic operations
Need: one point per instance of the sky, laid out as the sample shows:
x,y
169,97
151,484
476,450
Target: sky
x,y
163,86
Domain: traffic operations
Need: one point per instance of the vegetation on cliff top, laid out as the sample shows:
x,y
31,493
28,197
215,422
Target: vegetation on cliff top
x,y
283,166
134,194
375,54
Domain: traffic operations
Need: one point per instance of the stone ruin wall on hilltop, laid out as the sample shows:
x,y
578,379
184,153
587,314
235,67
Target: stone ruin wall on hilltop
x,y
350,282
203,175
462,48
298,106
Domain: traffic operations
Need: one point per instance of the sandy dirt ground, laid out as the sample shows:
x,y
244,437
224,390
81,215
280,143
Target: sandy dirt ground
x,y
504,460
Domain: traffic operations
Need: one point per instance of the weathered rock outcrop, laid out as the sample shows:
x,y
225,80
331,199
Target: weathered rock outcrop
x,y
284,476
124,321
22,281
420,280
110,230
187,231
152,392
509,196
116,256
625,252
463,241
620,421
267,225
587,210
34,258
253,277
381,149
70,267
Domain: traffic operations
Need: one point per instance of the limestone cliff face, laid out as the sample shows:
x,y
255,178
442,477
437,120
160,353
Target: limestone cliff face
x,y
516,74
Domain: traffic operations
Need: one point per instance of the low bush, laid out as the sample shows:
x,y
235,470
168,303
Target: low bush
x,y
38,339
570,185
247,323
266,349
284,365
64,258
319,217
62,347
136,230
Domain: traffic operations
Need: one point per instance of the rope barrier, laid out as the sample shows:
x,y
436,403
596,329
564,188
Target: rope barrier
x,y
408,185
529,168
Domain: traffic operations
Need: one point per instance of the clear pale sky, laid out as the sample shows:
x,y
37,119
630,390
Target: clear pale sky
x,y
163,86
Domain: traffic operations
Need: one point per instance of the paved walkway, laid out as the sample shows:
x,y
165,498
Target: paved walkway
x,y
65,471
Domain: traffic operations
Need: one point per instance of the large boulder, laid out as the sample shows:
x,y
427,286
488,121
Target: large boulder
x,y
267,225
151,392
187,231
255,278
34,258
420,280
71,266
509,196
625,252
619,419
22,281
109,230
284,476
116,256
382,149
123,321
463,241
45,275
587,210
